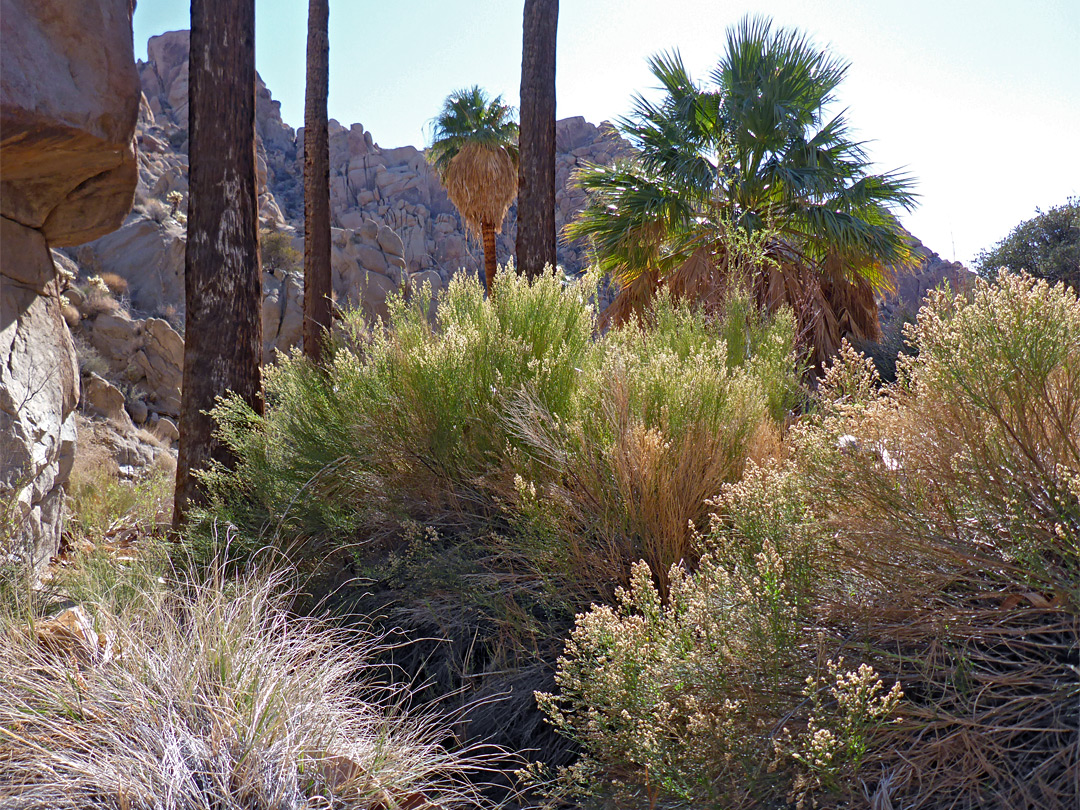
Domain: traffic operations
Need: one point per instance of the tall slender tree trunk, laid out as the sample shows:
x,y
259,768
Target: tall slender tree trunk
x,y
223,283
490,264
536,163
317,182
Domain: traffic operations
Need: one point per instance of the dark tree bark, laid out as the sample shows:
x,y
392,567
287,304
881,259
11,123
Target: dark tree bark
x,y
490,265
317,183
536,161
223,284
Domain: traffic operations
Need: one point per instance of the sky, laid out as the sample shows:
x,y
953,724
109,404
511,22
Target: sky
x,y
979,101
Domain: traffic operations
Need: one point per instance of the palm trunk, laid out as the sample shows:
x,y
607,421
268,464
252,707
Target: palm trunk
x,y
317,183
490,265
536,163
223,281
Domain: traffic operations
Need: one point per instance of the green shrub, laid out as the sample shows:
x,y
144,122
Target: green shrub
x,y
1045,246
692,699
505,410
667,418
925,530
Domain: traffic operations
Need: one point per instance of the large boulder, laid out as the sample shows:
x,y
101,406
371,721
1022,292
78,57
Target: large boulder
x,y
149,255
69,99
39,389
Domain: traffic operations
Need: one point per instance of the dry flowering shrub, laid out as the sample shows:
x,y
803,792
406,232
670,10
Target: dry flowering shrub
x,y
954,502
680,699
848,706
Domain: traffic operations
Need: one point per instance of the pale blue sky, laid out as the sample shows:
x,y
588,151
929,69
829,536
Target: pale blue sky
x,y
979,100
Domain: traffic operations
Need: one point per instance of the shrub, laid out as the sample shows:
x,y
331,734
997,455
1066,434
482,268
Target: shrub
x,y
116,284
277,253
957,512
1046,246
406,419
692,699
207,694
507,410
99,298
100,502
667,417
90,359
925,530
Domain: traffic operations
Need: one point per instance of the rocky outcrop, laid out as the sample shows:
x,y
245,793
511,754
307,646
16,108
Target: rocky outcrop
x,y
394,187
69,96
910,285
39,389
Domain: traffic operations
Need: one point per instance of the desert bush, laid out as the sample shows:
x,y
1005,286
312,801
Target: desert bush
x,y
712,697
957,512
210,694
157,210
925,531
667,417
277,253
116,284
507,410
405,420
90,359
99,501
99,298
1046,246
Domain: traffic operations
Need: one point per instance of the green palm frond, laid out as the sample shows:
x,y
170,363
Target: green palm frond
x,y
756,151
469,116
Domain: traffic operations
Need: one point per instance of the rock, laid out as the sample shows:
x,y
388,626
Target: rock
x,y
39,390
161,360
105,399
70,101
166,430
149,255
138,411
70,634
116,336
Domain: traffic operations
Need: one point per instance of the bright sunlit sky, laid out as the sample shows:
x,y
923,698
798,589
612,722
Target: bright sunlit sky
x,y
980,101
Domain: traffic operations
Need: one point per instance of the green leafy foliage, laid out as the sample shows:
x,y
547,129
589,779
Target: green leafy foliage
x,y
1045,246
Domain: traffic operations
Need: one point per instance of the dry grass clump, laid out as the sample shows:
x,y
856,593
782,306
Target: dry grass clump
x,y
211,695
957,511
99,298
117,284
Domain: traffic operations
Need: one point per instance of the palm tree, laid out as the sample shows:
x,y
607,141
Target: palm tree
x,y
753,158
474,150
536,172
223,280
317,182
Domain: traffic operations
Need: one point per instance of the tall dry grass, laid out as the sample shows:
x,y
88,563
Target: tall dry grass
x,y
210,694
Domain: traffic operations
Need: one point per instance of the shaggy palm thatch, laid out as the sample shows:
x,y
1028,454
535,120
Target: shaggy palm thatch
x,y
482,182
474,150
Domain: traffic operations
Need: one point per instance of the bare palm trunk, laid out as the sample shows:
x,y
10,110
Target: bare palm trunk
x,y
536,166
317,183
223,282
490,265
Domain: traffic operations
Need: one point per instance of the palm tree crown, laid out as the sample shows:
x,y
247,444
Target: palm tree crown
x,y
752,154
474,150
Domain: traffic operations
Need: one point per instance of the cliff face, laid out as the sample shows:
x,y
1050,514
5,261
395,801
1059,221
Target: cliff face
x,y
394,187
69,95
